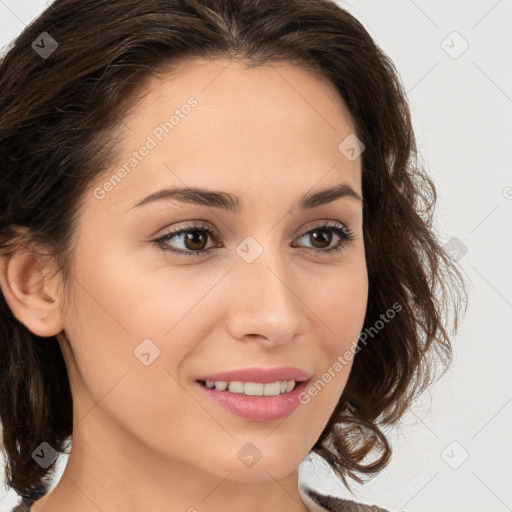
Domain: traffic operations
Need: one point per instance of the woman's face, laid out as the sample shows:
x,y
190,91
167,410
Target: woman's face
x,y
147,323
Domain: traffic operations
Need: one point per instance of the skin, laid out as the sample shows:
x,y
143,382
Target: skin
x,y
145,437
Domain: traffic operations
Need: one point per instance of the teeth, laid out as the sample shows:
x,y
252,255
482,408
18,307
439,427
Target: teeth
x,y
219,385
252,388
236,387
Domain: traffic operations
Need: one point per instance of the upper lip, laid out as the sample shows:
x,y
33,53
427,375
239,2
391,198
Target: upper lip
x,y
264,375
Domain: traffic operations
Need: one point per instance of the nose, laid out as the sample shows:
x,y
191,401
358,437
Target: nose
x,y
265,304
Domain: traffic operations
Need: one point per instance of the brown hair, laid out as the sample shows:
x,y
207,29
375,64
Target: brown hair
x,y
60,123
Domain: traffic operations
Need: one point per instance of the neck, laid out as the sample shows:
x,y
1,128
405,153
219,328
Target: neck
x,y
124,475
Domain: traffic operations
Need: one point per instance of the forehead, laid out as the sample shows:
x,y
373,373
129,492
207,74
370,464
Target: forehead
x,y
222,124
232,95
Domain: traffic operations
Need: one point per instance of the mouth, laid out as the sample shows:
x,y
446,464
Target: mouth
x,y
248,400
276,388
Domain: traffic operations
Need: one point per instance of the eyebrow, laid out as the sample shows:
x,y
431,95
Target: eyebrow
x,y
223,200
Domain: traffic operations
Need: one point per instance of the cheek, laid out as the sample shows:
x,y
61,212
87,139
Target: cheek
x,y
126,315
339,301
128,299
110,321
340,309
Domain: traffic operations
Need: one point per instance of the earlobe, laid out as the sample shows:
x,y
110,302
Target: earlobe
x,y
31,300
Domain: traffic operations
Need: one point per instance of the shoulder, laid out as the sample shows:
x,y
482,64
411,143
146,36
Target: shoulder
x,y
335,504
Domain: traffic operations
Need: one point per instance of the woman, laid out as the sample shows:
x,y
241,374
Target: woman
x,y
217,255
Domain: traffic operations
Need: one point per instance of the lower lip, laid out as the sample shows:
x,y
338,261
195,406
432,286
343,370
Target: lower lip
x,y
257,408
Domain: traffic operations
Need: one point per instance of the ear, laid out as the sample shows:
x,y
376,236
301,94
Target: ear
x,y
31,299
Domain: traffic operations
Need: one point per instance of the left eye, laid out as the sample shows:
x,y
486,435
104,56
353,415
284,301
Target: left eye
x,y
195,236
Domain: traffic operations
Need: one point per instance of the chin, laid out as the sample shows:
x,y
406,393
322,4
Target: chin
x,y
261,473
251,465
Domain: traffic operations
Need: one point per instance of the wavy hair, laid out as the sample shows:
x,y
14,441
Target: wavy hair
x,y
60,123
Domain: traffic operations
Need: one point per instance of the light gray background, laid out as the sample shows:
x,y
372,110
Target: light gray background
x,y
462,110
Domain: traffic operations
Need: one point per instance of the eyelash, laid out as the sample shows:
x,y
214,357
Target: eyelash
x,y
344,233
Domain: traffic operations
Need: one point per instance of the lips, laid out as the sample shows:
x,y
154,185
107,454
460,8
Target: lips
x,y
256,408
264,375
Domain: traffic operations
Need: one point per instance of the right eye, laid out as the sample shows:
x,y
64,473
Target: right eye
x,y
195,235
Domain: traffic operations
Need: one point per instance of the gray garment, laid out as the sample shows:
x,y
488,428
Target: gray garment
x,y
335,504
327,501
